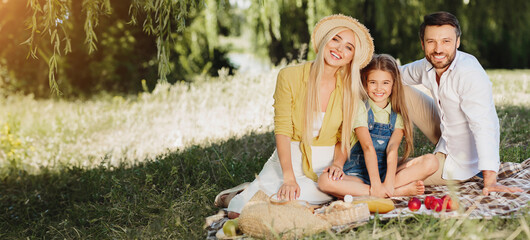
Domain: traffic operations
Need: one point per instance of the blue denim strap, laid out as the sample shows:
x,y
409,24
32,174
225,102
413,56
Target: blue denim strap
x,y
370,116
393,117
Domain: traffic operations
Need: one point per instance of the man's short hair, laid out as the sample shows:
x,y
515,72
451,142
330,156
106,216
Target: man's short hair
x,y
439,19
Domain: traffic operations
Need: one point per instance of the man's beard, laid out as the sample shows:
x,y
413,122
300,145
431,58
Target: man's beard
x,y
442,65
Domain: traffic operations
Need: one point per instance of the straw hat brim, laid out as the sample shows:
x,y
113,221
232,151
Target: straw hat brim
x,y
366,50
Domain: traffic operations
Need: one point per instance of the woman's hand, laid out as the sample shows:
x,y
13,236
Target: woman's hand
x,y
334,172
378,190
289,191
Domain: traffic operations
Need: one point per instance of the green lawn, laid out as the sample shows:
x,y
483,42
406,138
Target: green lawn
x,y
166,191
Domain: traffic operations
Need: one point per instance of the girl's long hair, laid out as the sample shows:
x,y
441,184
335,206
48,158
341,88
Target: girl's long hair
x,y
387,63
353,90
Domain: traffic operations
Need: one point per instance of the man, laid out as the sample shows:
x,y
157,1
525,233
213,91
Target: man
x,y
462,92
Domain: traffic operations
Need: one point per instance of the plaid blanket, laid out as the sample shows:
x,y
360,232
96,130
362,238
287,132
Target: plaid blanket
x,y
473,204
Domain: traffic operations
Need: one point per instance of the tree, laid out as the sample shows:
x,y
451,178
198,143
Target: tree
x,y
184,34
493,31
90,44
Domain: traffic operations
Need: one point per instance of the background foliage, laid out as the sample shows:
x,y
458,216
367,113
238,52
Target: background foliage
x,y
114,55
495,32
91,46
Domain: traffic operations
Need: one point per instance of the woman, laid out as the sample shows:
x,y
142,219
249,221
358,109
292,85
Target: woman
x,y
313,112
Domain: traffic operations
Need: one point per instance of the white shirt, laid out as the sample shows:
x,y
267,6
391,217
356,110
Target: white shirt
x,y
469,122
317,123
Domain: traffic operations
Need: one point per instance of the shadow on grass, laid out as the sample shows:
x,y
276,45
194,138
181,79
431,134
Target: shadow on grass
x,y
165,198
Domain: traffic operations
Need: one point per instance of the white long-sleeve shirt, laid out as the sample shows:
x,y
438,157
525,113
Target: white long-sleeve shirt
x,y
469,121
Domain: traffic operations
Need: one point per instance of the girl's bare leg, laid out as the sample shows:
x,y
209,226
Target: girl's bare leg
x,y
411,189
416,169
409,175
409,178
348,185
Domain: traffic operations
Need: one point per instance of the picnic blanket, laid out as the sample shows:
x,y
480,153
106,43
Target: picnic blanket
x,y
473,204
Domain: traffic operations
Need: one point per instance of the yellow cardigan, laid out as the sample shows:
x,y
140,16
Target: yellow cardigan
x,y
289,101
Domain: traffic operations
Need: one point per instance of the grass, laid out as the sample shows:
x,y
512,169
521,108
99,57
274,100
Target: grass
x,y
125,130
114,167
167,197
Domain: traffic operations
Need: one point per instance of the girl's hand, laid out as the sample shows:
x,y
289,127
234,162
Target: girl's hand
x,y
289,191
334,172
389,188
379,191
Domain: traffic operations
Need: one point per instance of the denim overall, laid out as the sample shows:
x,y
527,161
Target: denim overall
x,y
380,134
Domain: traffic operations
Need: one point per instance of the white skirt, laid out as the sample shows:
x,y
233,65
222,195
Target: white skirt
x,y
270,179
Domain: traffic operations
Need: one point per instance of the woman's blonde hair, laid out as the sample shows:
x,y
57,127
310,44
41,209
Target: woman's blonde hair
x,y
351,81
387,63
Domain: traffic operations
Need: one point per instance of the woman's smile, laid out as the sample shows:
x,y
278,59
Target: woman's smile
x,y
336,55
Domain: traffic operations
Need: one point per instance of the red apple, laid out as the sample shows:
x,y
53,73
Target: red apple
x,y
414,204
436,204
428,201
449,204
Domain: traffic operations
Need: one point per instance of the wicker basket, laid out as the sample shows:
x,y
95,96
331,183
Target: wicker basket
x,y
268,219
341,213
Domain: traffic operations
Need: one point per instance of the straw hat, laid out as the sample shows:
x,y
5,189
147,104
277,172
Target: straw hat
x,y
338,20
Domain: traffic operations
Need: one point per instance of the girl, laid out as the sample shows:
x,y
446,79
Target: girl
x,y
380,124
311,102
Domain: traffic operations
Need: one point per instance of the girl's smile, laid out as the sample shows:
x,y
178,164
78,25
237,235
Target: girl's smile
x,y
379,87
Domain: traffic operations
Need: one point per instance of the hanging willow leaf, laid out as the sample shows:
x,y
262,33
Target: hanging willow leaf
x,y
161,18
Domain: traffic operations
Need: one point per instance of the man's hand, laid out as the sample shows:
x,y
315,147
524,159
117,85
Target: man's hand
x,y
499,188
491,185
